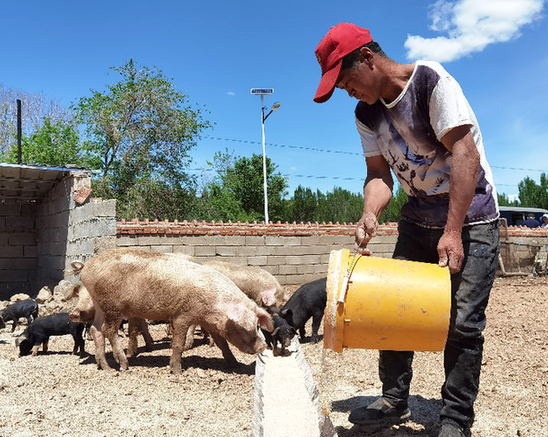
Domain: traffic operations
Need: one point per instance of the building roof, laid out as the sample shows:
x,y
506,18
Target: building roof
x,y
27,182
523,209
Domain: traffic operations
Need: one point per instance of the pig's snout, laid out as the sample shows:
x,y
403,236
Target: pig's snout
x,y
260,344
260,348
75,316
81,316
286,342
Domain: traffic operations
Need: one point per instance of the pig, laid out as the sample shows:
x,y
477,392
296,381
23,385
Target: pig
x,y
162,286
41,329
283,331
23,308
258,284
308,301
84,312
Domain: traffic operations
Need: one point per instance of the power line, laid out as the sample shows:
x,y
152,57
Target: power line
x,y
287,175
342,152
313,149
520,169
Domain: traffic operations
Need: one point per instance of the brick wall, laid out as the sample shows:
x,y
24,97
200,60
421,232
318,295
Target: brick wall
x,y
520,246
294,253
18,247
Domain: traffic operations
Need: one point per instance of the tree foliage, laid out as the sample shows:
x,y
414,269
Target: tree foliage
x,y
392,213
532,194
303,206
35,109
141,130
54,144
338,205
237,191
505,201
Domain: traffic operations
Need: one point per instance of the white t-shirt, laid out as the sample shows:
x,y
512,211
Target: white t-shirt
x,y
407,133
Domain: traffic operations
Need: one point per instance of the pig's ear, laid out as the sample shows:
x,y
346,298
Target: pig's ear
x,y
265,320
24,336
236,313
76,267
268,297
287,314
73,292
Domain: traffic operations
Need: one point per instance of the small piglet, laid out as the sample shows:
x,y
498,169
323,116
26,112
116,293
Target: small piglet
x,y
283,331
39,332
27,308
308,301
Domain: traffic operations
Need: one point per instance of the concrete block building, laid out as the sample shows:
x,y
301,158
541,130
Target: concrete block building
x,y
47,217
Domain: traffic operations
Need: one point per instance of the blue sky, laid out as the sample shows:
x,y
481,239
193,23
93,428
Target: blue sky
x,y
215,51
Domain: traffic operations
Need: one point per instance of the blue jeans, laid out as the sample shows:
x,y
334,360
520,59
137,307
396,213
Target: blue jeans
x,y
470,290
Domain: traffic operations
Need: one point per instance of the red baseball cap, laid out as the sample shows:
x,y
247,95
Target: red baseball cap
x,y
341,40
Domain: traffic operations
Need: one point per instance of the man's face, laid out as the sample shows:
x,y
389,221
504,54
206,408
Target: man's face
x,y
358,81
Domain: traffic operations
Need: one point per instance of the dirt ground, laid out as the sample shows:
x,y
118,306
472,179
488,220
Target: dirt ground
x,y
58,394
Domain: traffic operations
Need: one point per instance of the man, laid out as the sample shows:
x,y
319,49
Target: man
x,y
544,219
531,221
413,119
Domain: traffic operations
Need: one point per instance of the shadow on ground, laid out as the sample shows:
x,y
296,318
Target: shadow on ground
x,y
187,361
423,421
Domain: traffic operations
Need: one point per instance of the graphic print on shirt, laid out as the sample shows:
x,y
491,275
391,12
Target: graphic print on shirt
x,y
406,133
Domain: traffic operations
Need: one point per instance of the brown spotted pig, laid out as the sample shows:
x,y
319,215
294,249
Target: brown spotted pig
x,y
158,286
258,284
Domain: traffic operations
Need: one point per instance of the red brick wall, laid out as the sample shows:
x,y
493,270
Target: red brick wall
x,y
294,252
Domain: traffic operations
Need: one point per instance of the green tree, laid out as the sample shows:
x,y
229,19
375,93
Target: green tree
x,y
35,109
141,130
392,213
54,144
303,206
533,195
340,205
505,201
237,191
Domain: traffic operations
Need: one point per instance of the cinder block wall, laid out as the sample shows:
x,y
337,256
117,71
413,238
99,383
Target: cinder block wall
x,y
294,253
52,227
68,231
18,247
91,228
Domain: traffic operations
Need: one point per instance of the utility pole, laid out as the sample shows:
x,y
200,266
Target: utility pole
x,y
19,132
262,92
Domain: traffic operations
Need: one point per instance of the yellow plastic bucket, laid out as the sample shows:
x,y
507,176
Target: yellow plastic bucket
x,y
386,304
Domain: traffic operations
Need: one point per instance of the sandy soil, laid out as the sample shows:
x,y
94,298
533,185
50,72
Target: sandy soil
x,y
58,394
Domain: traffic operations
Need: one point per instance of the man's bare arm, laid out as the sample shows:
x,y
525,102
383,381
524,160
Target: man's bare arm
x,y
377,192
464,169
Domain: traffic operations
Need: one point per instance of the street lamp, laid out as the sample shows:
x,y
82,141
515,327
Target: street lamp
x,y
262,92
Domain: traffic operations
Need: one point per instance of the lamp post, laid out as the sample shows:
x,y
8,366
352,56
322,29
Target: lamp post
x,y
262,92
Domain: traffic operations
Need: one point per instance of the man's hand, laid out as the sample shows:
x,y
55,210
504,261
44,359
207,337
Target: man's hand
x,y
365,230
450,251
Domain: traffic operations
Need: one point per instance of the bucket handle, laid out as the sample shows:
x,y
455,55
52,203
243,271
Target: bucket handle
x,y
346,279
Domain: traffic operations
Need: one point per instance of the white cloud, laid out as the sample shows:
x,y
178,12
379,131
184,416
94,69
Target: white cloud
x,y
230,93
471,25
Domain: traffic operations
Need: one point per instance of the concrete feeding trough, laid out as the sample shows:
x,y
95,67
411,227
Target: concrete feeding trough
x,y
286,400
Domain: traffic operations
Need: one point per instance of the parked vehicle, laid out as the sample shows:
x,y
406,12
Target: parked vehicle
x,y
516,215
